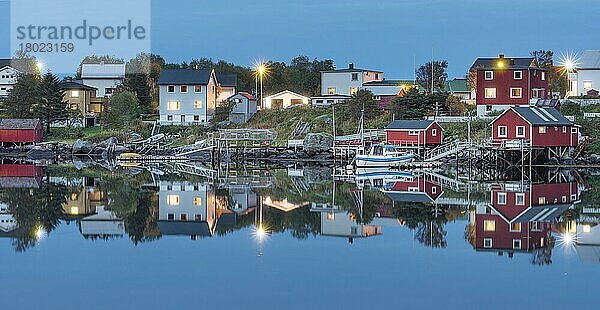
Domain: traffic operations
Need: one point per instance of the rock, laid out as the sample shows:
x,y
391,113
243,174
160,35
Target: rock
x,y
82,147
568,161
108,142
594,158
316,143
39,152
134,136
80,164
316,174
553,161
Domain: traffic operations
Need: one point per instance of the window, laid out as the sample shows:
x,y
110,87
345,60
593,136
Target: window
x,y
587,84
198,88
490,93
377,76
517,244
183,89
355,76
170,89
413,133
501,198
434,190
376,97
198,104
573,129
434,132
75,93
489,75
542,129
489,225
520,199
520,131
353,90
173,200
502,131
197,201
196,118
330,216
587,228
183,118
518,75
515,227
198,217
543,76
573,197
331,91
487,243
516,92
488,108
169,118
173,105
183,216
564,199
541,200
171,216
564,129
74,106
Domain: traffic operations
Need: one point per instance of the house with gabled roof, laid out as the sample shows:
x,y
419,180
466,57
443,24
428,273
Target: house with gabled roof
x,y
587,74
414,133
104,76
284,99
10,69
460,88
504,82
187,97
20,131
245,106
227,86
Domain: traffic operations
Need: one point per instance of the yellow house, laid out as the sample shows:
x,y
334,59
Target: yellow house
x,y
83,98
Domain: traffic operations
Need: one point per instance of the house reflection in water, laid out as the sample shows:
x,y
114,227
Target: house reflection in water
x,y
83,198
341,223
20,176
188,209
519,217
8,224
282,204
420,188
104,224
587,241
244,199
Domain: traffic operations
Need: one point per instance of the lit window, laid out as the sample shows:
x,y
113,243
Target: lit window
x,y
170,89
330,216
74,210
353,90
516,92
197,201
587,85
518,75
502,131
517,244
520,199
331,91
487,243
515,227
520,131
489,225
501,198
541,200
489,75
173,200
542,129
198,104
74,196
183,88
74,106
490,93
587,228
198,88
173,105
75,93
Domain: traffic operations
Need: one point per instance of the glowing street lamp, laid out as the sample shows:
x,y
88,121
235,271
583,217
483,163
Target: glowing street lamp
x,y
568,62
39,66
261,70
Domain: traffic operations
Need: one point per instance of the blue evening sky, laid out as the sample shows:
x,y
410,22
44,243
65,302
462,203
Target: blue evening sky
x,y
384,34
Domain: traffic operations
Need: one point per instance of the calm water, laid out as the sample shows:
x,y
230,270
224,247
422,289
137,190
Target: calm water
x,y
160,237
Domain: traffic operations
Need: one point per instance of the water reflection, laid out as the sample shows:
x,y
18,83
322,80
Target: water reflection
x,y
507,217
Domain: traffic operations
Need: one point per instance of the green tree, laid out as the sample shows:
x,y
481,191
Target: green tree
x,y
23,97
138,83
51,107
439,75
123,108
413,105
557,79
363,100
455,106
222,112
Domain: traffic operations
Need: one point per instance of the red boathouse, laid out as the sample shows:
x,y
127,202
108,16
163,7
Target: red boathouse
x,y
20,131
414,133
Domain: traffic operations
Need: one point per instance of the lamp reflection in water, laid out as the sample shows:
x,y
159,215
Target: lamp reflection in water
x,y
261,230
567,239
39,233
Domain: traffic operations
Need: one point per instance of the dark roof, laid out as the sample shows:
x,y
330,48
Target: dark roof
x,y
184,77
184,228
457,86
13,123
510,63
546,103
409,124
409,197
589,60
24,65
542,116
247,95
228,80
326,96
385,82
75,85
543,213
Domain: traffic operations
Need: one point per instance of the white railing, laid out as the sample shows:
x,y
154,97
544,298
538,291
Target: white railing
x,y
445,150
591,115
459,119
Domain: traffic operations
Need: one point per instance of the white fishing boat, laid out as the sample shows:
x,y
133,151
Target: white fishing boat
x,y
383,156
381,177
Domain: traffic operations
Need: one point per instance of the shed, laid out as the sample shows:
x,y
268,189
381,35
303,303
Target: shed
x,y
20,130
414,133
285,99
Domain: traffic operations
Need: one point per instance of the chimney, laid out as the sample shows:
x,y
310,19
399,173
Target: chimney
x,y
512,62
501,56
351,66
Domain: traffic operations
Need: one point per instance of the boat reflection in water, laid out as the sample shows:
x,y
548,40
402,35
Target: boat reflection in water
x,y
505,217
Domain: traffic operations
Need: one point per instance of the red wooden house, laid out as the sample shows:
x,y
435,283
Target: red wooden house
x,y
421,188
504,82
20,176
535,127
414,133
20,131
